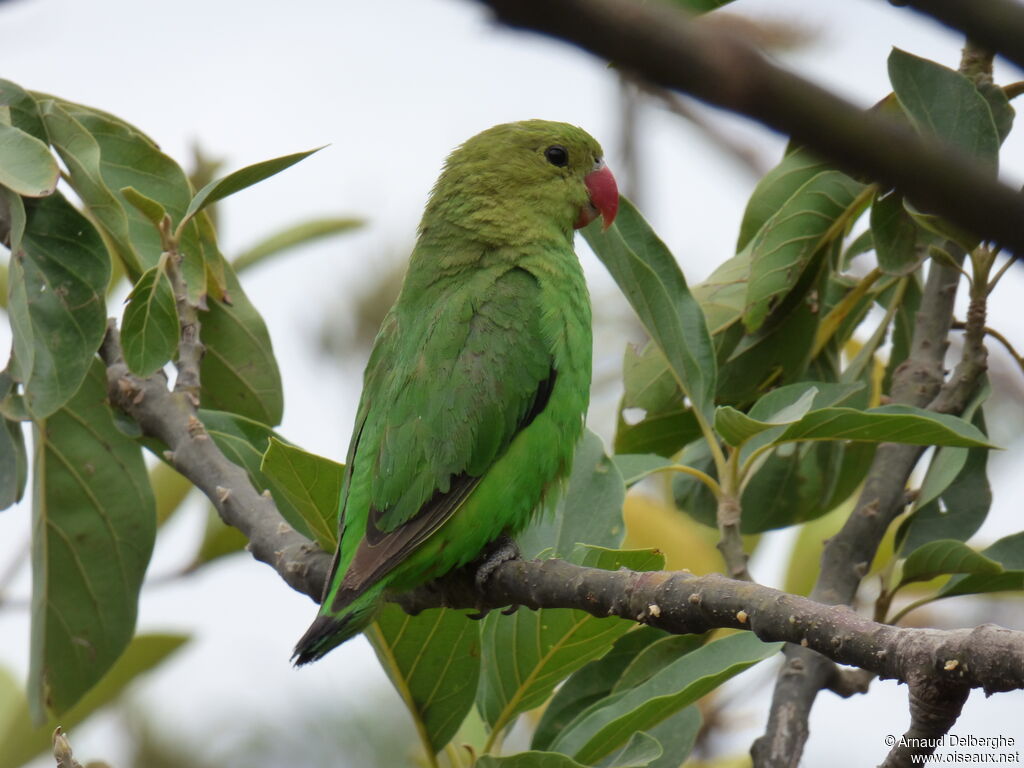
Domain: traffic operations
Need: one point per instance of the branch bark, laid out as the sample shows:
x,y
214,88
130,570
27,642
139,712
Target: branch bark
x,y
171,418
987,657
657,42
996,24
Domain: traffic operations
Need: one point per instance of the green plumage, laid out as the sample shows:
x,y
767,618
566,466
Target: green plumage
x,y
478,382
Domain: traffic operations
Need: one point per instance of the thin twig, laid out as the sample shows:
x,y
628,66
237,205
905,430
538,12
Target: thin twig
x,y
190,348
960,325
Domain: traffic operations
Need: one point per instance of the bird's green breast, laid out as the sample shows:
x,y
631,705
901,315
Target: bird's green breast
x,y
534,302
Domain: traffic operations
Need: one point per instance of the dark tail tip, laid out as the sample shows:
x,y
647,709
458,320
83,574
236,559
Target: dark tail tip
x,y
323,635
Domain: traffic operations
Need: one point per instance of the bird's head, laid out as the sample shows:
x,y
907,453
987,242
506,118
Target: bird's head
x,y
517,180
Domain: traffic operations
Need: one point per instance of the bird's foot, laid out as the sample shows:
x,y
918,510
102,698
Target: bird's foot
x,y
499,551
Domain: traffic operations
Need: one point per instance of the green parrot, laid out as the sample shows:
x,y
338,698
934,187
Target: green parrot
x,y
476,389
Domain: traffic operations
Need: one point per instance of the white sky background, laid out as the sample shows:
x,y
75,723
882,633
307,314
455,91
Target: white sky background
x,y
393,86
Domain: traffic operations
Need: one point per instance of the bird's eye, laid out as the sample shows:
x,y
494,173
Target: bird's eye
x,y
557,155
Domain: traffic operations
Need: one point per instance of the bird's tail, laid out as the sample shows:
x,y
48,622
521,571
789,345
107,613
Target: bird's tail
x,y
330,630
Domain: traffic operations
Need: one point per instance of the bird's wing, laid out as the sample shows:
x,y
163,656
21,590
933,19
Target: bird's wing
x,y
442,402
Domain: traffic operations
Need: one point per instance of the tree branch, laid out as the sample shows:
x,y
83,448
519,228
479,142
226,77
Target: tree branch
x,y
987,657
190,347
996,24
934,707
171,418
658,42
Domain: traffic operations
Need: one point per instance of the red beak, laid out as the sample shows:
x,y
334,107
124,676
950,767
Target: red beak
x,y
604,197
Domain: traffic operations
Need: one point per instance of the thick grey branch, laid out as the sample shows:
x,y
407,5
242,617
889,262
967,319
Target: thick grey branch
x,y
658,43
987,657
934,707
170,417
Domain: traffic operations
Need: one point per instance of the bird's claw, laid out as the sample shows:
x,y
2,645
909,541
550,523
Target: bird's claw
x,y
501,550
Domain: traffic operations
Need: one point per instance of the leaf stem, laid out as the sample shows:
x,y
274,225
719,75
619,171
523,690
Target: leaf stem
x,y
190,347
831,322
1002,270
911,607
729,515
705,478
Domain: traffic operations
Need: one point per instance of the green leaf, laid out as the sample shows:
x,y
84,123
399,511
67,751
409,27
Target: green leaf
x,y
528,760
737,427
293,236
234,182
1009,553
527,654
964,507
798,483
667,424
12,209
784,246
591,683
26,165
947,463
649,277
635,467
433,660
590,511
239,372
244,442
1002,112
723,294
648,380
23,109
902,331
778,353
784,405
777,186
937,558
863,243
149,328
13,463
94,523
22,741
640,752
81,154
105,155
57,306
943,102
894,235
652,659
680,684
678,736
887,424
311,483
661,433
700,6
147,206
